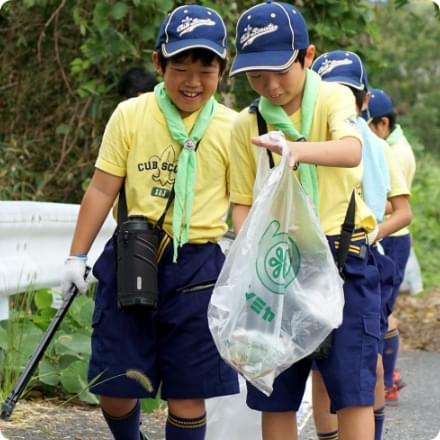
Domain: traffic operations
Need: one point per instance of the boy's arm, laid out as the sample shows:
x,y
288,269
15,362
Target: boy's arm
x,y
345,152
95,206
400,217
239,214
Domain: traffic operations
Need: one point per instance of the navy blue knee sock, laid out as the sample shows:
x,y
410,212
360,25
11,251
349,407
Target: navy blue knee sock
x,y
328,435
390,352
185,429
379,417
125,427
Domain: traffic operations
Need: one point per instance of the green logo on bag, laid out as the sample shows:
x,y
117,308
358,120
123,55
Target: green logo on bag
x,y
278,259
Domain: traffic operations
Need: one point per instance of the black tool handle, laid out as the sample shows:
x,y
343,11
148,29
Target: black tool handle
x,y
14,395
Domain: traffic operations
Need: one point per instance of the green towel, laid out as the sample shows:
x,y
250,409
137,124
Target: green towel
x,y
187,162
276,116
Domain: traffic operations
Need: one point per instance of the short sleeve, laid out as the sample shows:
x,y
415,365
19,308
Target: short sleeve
x,y
112,156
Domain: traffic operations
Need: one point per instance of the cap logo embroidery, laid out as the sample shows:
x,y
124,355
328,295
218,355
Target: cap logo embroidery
x,y
250,34
189,24
329,65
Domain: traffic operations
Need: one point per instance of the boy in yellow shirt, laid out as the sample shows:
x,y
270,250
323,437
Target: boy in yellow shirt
x,y
273,50
142,152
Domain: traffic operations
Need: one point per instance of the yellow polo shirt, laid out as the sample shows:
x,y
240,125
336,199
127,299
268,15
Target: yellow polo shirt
x,y
334,118
137,144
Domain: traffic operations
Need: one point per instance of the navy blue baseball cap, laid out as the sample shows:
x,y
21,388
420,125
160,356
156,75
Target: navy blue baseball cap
x,y
268,37
380,104
192,27
343,67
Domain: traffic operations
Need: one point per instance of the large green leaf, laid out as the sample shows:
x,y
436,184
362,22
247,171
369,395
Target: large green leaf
x,y
48,373
43,299
74,377
81,312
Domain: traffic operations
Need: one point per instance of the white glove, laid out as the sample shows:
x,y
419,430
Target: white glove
x,y
74,271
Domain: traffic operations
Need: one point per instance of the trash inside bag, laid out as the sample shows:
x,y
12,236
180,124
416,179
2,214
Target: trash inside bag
x,y
279,293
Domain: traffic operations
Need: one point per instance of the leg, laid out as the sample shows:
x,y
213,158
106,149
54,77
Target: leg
x,y
379,401
326,423
122,417
356,423
279,425
120,335
391,351
186,419
279,409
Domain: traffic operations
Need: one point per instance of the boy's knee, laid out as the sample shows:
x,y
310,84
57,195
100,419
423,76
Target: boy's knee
x,y
115,406
186,408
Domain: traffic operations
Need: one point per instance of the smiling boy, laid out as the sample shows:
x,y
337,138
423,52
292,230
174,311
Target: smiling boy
x,y
171,346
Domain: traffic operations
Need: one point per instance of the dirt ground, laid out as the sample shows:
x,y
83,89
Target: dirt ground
x,y
419,324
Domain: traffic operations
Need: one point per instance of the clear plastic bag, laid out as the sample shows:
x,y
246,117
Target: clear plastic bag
x,y
279,293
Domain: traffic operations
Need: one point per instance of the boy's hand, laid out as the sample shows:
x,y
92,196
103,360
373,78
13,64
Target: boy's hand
x,y
74,271
276,142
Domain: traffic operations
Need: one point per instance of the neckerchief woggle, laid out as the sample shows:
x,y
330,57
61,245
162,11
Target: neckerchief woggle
x,y
184,184
276,116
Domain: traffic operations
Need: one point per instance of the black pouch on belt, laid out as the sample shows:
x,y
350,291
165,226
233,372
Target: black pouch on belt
x,y
137,242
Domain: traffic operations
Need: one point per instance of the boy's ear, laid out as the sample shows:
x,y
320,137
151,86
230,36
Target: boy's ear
x,y
310,56
365,103
156,63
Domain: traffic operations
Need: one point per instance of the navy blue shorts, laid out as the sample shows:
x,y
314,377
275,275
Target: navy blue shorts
x,y
171,346
350,370
398,249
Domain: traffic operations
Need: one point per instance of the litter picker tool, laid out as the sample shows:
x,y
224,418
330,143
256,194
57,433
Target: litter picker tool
x,y
11,400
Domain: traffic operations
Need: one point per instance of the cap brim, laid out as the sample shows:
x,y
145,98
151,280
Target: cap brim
x,y
171,49
345,81
271,60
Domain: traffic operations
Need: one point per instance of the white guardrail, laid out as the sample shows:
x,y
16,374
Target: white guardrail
x,y
34,242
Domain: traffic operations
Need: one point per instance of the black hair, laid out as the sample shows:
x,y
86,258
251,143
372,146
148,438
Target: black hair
x,y
135,81
392,120
359,96
301,57
205,56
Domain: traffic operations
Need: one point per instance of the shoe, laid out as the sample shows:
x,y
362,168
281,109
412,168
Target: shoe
x,y
391,395
397,379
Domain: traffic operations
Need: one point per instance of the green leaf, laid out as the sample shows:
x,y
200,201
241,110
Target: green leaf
x,y
43,298
74,377
150,405
81,312
75,343
101,14
119,10
48,373
88,397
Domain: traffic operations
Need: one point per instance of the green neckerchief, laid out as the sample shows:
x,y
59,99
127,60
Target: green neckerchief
x,y
396,136
187,163
277,117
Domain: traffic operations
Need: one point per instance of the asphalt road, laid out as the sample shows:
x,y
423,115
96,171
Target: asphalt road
x,y
417,416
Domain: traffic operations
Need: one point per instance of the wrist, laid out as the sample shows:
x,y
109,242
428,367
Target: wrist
x,y
80,257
